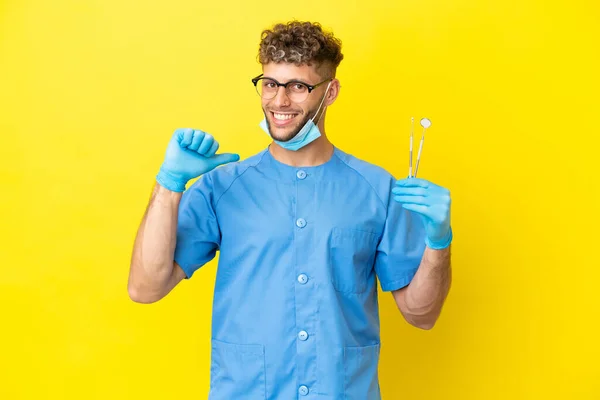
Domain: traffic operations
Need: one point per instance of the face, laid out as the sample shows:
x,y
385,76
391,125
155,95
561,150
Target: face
x,y
284,117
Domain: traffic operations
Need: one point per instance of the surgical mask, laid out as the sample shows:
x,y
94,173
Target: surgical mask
x,y
309,132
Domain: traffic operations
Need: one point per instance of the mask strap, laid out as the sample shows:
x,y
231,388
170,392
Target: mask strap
x,y
322,100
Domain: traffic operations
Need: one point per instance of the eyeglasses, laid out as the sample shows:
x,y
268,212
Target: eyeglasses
x,y
297,91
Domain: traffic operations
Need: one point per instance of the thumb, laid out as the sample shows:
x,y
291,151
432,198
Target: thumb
x,y
219,159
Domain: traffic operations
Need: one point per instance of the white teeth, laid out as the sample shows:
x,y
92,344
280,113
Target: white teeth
x,y
283,117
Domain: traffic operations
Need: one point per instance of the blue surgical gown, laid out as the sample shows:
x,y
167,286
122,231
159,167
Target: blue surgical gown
x,y
301,249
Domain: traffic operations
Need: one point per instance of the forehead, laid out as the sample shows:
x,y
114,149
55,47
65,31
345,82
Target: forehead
x,y
284,72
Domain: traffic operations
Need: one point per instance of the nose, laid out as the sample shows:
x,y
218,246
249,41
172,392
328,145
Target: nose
x,y
281,98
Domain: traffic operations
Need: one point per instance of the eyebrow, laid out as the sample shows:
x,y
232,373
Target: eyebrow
x,y
291,80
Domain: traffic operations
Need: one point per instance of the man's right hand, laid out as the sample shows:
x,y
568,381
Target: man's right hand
x,y
190,153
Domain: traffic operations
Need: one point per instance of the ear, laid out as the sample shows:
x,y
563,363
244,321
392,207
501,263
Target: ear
x,y
334,91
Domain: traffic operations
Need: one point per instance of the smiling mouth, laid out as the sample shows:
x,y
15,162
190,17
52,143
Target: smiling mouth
x,y
282,119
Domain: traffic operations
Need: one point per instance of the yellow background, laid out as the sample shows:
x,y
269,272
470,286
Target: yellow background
x,y
90,92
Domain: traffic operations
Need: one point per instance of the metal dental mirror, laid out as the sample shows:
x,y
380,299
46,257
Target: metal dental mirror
x,y
425,123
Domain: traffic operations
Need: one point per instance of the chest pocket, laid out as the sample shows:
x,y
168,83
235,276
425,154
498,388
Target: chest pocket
x,y
351,259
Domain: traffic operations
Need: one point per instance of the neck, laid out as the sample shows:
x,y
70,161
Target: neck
x,y
315,153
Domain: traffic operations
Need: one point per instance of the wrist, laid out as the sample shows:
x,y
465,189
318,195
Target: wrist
x,y
441,243
170,181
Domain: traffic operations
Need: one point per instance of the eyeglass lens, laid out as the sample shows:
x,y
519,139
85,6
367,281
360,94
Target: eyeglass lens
x,y
267,89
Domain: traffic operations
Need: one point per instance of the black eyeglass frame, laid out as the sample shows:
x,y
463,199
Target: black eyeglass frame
x,y
310,87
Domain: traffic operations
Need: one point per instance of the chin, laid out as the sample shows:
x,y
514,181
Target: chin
x,y
284,135
283,138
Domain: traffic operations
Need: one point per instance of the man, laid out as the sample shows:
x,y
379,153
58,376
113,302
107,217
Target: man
x,y
304,230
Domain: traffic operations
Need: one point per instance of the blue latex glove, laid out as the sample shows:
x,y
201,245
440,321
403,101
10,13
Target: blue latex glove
x,y
190,153
432,203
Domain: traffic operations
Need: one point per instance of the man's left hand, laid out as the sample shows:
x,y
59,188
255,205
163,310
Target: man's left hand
x,y
432,203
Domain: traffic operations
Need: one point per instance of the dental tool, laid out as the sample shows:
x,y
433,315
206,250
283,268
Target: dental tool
x,y
425,123
410,162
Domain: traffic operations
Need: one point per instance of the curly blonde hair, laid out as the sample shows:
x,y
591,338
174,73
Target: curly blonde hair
x,y
301,43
